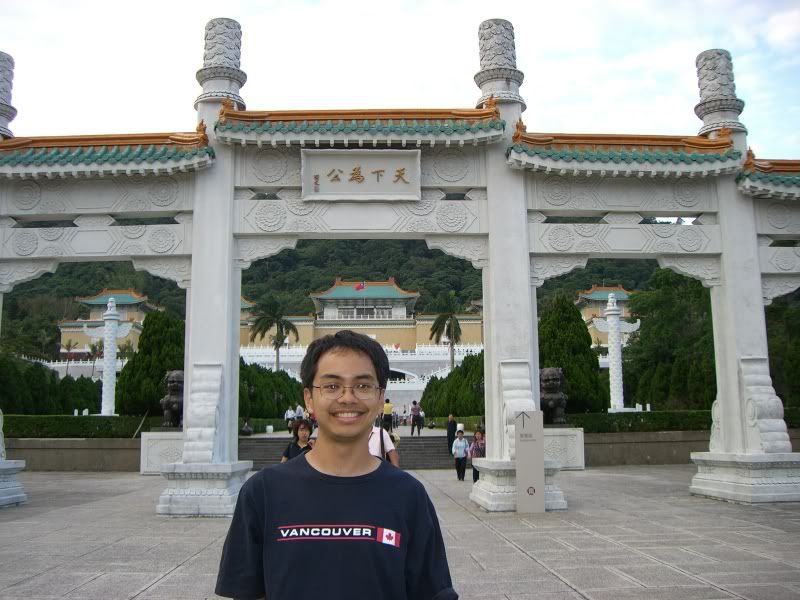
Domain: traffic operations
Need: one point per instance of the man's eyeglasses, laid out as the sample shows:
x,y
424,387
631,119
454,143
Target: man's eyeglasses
x,y
334,391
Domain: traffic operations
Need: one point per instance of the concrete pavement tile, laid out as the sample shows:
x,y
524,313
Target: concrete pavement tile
x,y
598,559
114,586
594,578
670,593
723,553
51,583
756,566
540,596
481,588
754,577
765,592
677,556
181,587
588,542
657,575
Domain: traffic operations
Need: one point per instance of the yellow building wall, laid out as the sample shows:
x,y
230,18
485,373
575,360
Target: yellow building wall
x,y
305,331
471,330
83,340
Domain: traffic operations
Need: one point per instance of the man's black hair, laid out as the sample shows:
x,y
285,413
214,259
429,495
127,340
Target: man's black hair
x,y
344,340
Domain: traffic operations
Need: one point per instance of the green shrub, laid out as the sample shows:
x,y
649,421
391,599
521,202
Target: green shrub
x,y
67,426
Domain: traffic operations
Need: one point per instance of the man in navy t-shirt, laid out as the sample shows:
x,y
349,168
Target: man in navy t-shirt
x,y
354,526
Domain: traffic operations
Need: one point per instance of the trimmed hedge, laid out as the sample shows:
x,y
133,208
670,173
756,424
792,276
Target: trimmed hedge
x,y
676,420
69,426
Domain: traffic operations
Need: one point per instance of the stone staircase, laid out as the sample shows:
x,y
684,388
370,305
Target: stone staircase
x,y
426,452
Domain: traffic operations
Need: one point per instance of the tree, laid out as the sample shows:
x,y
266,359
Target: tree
x,y
69,346
669,362
95,352
126,351
139,386
269,313
446,324
565,342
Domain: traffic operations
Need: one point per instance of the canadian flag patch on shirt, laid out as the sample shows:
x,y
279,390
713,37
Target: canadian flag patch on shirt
x,y
389,537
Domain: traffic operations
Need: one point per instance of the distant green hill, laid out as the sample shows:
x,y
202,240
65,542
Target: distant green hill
x,y
32,310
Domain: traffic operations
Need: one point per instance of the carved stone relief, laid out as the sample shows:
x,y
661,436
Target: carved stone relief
x,y
269,165
547,267
473,249
223,42
295,205
496,43
448,165
253,249
20,271
780,217
451,216
773,286
430,197
704,268
26,195
24,243
163,191
161,240
270,215
174,268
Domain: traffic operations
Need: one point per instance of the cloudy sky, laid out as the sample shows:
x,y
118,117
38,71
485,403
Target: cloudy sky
x,y
616,66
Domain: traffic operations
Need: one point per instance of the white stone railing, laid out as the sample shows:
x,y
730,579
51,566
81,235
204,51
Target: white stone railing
x,y
421,352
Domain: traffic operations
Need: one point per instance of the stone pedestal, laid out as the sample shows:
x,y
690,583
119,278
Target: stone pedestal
x,y
11,491
202,489
564,445
158,449
748,478
496,490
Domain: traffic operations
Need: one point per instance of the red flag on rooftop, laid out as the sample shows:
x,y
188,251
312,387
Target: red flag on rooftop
x,y
360,286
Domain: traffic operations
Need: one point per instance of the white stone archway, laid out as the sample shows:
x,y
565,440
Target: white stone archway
x,y
474,183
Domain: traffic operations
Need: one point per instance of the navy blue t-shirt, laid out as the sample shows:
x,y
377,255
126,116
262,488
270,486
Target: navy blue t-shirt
x,y
370,536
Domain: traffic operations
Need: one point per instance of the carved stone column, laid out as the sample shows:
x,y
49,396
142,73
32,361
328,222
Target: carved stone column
x,y
221,76
750,457
499,76
718,107
510,359
207,480
612,314
7,112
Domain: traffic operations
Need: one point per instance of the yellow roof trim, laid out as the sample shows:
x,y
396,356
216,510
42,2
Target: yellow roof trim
x,y
488,112
196,138
595,141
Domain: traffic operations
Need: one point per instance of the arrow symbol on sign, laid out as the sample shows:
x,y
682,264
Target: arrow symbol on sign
x,y
523,414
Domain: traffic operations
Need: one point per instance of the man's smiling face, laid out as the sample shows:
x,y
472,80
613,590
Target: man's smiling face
x,y
348,417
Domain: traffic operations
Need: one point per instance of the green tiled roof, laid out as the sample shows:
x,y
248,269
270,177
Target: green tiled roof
x,y
246,304
619,294
348,292
427,127
122,299
83,155
624,156
769,178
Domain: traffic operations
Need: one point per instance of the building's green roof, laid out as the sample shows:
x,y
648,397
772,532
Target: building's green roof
x,y
84,155
246,304
402,126
619,294
624,156
770,178
121,298
375,290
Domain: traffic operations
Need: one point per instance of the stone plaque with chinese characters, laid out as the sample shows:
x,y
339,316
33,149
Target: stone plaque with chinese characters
x,y
360,174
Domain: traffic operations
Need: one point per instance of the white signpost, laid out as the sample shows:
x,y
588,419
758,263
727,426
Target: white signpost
x,y
529,446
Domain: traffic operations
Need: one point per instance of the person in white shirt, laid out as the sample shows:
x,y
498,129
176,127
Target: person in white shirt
x,y
460,448
289,416
388,446
298,412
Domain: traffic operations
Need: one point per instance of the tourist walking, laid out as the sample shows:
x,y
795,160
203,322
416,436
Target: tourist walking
x,y
289,416
359,527
416,419
387,415
383,448
301,442
451,430
477,449
460,449
299,413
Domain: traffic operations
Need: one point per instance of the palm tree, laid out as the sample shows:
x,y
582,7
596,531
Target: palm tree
x,y
269,313
95,351
446,324
125,351
69,346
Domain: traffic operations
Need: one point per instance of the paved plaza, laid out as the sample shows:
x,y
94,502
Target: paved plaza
x,y
630,533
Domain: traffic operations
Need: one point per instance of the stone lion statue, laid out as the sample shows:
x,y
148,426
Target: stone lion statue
x,y
554,400
172,403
